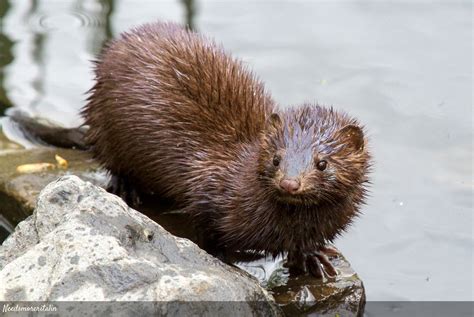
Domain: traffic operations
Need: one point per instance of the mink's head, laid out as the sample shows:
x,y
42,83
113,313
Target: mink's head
x,y
313,155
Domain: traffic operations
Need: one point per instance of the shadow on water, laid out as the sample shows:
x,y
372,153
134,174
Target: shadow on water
x,y
6,56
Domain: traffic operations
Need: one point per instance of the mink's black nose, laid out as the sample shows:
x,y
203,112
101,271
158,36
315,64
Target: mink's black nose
x,y
290,185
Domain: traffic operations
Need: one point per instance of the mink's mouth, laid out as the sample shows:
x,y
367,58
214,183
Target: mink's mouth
x,y
295,199
299,198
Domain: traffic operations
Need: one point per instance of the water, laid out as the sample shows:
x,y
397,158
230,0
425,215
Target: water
x,y
404,68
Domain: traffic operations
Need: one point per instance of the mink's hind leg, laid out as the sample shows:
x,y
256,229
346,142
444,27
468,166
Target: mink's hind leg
x,y
123,187
315,263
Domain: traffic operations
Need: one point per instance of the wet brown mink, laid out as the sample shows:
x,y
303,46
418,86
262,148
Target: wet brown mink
x,y
172,113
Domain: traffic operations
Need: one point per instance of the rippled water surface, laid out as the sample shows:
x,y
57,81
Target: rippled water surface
x,y
403,67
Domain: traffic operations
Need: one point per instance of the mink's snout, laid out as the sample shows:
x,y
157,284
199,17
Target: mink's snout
x,y
290,185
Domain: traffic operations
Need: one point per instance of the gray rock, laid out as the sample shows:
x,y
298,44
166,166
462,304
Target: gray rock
x,y
83,244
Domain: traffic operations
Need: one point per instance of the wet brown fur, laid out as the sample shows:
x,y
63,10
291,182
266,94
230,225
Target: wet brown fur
x,y
176,115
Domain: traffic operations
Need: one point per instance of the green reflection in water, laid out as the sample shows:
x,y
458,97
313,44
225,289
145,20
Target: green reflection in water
x,y
190,13
104,30
109,4
6,56
37,56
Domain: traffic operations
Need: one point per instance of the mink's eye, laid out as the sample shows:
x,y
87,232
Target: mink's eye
x,y
322,165
276,160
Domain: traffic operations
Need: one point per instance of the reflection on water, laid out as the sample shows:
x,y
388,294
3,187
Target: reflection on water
x,y
37,55
54,44
6,56
403,68
190,12
101,21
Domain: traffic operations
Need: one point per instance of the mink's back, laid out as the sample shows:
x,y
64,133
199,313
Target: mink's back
x,y
170,104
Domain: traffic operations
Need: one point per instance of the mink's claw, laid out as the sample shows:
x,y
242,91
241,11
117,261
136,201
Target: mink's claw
x,y
315,263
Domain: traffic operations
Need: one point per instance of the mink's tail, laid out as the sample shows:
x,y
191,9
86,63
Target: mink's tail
x,y
29,132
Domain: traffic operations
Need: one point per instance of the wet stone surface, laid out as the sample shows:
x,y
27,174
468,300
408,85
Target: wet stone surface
x,y
343,295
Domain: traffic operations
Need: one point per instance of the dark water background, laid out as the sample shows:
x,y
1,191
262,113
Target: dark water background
x,y
403,67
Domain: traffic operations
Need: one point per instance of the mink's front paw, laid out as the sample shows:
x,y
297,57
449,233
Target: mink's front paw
x,y
315,263
122,187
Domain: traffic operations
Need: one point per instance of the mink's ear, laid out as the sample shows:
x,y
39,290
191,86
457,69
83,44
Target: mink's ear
x,y
352,136
274,121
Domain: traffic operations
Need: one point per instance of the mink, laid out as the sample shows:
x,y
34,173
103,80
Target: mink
x,y
173,113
